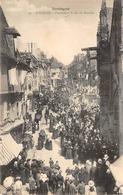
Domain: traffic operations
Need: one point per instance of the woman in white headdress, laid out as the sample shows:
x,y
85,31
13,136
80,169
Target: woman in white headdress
x,y
90,189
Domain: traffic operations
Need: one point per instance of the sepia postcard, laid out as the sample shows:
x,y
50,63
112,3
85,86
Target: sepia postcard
x,y
61,97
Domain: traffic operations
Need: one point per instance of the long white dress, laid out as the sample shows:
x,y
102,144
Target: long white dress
x,y
88,192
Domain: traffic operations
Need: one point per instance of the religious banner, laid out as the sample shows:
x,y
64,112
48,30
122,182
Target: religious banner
x,y
13,76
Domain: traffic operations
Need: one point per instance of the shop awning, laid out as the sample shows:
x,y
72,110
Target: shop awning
x,y
9,149
117,170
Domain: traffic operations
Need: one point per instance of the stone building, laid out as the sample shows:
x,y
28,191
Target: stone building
x,y
83,69
110,60
11,95
56,73
103,66
116,73
12,78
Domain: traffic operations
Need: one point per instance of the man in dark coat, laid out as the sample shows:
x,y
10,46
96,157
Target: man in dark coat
x,y
99,173
44,187
67,186
72,188
54,182
109,182
46,115
51,162
51,122
22,172
34,168
27,169
60,179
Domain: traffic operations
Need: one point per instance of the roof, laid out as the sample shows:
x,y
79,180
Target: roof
x,y
7,153
44,63
6,50
3,22
21,62
89,48
12,31
26,57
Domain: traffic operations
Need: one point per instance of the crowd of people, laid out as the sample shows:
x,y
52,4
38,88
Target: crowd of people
x,y
80,135
89,178
77,127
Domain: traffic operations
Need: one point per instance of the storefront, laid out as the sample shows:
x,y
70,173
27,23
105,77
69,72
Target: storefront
x,y
9,150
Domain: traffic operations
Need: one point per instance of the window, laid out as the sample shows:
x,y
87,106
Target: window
x,y
10,43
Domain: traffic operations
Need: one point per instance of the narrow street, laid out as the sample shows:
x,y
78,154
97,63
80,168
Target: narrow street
x,y
61,127
44,154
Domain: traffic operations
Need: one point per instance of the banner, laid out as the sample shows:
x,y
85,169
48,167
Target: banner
x,y
13,76
22,76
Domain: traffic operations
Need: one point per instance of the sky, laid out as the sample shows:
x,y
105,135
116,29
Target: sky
x,y
60,28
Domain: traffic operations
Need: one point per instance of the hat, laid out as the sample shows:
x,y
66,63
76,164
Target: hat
x,y
91,183
108,171
82,166
18,178
104,146
43,177
107,163
88,162
106,156
100,161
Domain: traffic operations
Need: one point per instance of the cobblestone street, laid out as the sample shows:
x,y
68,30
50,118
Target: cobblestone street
x,y
46,154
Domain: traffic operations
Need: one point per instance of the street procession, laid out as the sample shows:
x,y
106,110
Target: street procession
x,y
61,127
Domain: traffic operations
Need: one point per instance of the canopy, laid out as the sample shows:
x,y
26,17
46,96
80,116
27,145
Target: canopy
x,y
8,182
2,189
9,149
117,170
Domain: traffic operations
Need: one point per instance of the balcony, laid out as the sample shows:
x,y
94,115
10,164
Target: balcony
x,y
12,89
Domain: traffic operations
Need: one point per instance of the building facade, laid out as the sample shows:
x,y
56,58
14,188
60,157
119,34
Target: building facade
x,y
12,79
110,60
83,69
103,65
11,95
56,73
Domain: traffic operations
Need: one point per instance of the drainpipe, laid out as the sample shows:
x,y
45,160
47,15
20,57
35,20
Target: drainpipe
x,y
121,87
